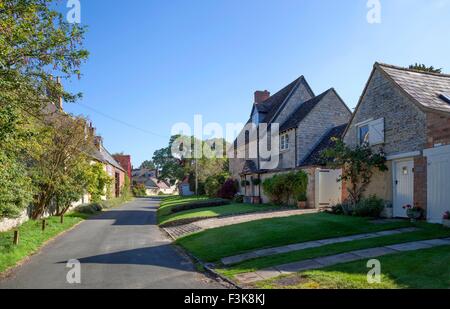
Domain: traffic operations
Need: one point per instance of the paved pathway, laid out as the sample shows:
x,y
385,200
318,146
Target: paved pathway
x,y
326,261
186,229
310,244
121,248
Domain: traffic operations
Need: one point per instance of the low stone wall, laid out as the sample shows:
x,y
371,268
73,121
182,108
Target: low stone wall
x,y
9,224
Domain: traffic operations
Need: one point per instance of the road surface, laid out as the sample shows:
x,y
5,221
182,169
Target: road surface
x,y
121,248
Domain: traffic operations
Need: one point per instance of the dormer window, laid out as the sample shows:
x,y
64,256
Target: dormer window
x,y
284,142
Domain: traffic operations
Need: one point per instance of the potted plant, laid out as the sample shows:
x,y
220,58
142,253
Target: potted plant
x,y
245,183
413,213
301,200
446,219
256,181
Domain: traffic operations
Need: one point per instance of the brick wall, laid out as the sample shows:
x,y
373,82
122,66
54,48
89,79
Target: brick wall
x,y
420,182
438,129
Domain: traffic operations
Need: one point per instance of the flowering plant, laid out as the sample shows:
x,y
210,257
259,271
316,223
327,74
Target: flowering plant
x,y
413,213
447,215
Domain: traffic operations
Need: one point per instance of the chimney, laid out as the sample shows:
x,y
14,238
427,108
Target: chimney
x,y
98,141
261,96
60,99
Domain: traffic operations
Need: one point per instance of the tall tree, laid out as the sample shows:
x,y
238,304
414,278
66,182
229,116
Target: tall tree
x,y
60,170
36,44
422,67
148,164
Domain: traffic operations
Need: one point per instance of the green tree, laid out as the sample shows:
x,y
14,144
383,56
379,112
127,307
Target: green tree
x,y
99,182
358,166
64,154
36,44
169,167
422,67
148,164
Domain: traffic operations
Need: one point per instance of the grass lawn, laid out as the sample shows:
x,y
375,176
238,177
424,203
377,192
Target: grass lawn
x,y
165,216
32,238
424,269
212,245
427,231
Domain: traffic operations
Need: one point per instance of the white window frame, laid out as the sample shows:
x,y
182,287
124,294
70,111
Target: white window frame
x,y
375,129
284,142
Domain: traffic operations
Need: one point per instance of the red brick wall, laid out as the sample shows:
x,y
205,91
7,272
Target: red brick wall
x,y
438,129
125,162
420,182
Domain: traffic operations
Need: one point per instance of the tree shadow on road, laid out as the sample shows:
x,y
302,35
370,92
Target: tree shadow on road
x,y
161,256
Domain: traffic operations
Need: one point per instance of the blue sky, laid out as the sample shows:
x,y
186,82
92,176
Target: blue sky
x,y
156,63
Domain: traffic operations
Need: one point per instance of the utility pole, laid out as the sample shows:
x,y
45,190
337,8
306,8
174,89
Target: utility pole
x,y
196,177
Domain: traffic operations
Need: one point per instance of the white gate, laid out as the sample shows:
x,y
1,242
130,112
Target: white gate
x,y
328,189
438,179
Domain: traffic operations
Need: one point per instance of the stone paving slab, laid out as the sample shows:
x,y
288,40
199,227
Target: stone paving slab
x,y
412,246
374,252
337,259
310,244
326,261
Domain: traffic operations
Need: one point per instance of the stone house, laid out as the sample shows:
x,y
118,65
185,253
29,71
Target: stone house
x,y
406,114
306,123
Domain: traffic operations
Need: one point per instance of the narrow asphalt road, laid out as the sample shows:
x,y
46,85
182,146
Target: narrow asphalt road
x,y
121,248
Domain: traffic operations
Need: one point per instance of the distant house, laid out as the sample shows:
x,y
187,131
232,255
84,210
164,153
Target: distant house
x,y
307,123
406,114
149,179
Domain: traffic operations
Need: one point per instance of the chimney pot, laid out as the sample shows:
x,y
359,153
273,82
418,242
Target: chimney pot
x,y
261,96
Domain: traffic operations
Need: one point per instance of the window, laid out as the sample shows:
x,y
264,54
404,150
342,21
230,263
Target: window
x,y
363,134
284,143
371,132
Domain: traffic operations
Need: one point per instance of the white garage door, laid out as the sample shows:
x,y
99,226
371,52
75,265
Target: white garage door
x,y
438,179
328,189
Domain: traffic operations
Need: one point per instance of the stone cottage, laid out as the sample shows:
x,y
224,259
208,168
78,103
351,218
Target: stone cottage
x,y
306,123
406,114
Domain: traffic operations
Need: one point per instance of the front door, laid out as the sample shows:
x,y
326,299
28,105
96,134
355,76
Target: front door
x,y
403,186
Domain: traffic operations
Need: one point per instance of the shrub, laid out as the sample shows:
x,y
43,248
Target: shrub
x,y
89,209
200,204
212,187
283,188
228,189
369,207
238,198
139,190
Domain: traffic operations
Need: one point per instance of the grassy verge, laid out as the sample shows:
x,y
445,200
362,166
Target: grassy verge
x,y
424,269
427,231
165,216
214,244
32,238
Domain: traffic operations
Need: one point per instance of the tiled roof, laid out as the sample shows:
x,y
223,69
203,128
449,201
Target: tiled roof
x,y
425,88
315,157
104,156
302,112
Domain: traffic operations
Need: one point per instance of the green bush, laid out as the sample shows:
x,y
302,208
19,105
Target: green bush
x,y
200,204
139,190
369,207
89,209
212,186
238,198
281,189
